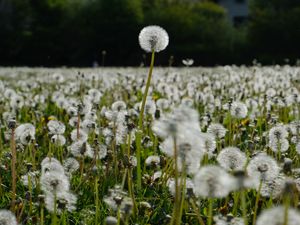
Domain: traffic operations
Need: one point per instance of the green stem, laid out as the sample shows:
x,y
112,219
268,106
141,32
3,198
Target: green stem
x,y
13,169
244,206
176,207
96,200
200,220
256,203
140,125
141,117
210,211
54,217
286,210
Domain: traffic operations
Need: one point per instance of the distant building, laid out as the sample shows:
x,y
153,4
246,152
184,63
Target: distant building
x,y
238,10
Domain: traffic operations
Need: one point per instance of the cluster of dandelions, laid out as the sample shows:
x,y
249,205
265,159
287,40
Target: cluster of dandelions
x,y
195,147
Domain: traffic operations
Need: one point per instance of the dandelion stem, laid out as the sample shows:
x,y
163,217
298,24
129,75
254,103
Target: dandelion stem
x,y
200,220
176,208
210,211
54,217
13,168
129,178
96,200
140,125
256,203
286,210
244,206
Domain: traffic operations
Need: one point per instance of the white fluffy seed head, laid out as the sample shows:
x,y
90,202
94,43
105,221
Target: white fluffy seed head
x,y
153,38
276,216
7,217
232,158
263,167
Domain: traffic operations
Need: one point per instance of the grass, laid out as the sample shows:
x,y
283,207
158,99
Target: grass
x,y
92,182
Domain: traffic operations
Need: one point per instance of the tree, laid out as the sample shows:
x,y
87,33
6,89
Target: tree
x,y
274,29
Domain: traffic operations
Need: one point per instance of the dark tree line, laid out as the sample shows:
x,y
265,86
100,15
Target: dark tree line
x,y
77,32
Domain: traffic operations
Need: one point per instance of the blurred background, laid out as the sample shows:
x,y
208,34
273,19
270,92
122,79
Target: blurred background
x,y
105,32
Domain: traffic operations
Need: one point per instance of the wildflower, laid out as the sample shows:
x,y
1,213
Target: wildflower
x,y
189,185
95,95
118,106
152,160
71,165
180,119
278,133
102,150
54,182
273,188
88,125
218,130
189,147
118,199
228,220
110,220
188,62
82,135
232,158
58,139
30,179
163,103
56,127
153,38
238,110
16,102
276,216
7,217
51,165
263,167
213,181
209,144
64,201
25,133
80,149
277,139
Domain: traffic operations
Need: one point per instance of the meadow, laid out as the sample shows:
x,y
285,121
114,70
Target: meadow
x,y
216,146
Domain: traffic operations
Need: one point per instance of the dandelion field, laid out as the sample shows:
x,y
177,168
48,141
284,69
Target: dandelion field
x,y
217,146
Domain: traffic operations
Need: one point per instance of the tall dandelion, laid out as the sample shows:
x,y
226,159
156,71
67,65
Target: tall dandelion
x,y
151,39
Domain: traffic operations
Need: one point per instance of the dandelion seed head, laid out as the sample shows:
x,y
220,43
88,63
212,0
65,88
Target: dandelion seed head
x,y
213,181
232,158
56,127
278,133
276,216
273,188
118,106
65,201
7,218
83,136
238,110
209,144
263,167
51,165
71,165
54,182
228,220
218,130
81,149
153,38
58,139
152,160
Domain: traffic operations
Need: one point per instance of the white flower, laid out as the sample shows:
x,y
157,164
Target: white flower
x,y
213,181
7,218
232,158
153,38
238,110
276,216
